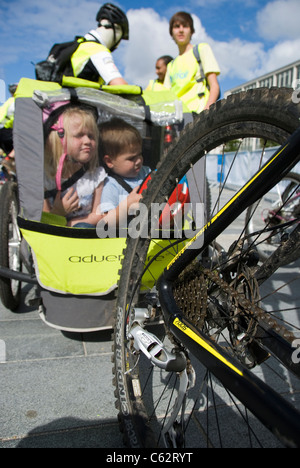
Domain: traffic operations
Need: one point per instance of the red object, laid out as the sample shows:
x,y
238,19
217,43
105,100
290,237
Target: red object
x,y
168,134
144,184
175,204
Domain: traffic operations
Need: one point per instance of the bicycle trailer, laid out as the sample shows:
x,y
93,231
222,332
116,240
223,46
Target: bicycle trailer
x,y
78,272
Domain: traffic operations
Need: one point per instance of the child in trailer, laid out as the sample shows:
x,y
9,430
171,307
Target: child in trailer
x,y
121,151
73,178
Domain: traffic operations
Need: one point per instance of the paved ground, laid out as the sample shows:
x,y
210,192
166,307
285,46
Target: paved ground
x,y
55,389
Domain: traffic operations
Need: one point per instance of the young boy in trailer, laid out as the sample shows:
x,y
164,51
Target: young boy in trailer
x,y
121,148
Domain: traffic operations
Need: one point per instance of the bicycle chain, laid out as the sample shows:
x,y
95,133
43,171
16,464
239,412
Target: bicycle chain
x,y
190,293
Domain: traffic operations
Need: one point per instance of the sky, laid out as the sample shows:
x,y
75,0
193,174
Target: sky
x,y
249,37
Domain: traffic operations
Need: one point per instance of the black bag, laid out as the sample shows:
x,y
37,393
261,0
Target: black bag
x,y
58,62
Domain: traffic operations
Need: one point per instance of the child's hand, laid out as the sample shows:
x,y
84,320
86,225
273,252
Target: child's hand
x,y
70,201
67,204
127,206
133,199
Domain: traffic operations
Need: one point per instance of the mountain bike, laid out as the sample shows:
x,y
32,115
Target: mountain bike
x,y
208,355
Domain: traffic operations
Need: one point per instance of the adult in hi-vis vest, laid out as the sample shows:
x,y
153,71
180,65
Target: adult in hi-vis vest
x,y
93,59
7,113
193,74
161,70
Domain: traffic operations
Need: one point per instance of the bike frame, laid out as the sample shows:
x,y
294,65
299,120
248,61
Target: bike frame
x,y
258,397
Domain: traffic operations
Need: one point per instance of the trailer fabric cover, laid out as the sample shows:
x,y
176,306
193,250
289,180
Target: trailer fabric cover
x,y
28,144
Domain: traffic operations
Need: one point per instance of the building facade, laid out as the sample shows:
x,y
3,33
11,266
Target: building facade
x,y
282,77
288,77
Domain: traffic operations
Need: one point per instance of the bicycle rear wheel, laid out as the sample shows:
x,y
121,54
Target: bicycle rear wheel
x,y
160,407
10,289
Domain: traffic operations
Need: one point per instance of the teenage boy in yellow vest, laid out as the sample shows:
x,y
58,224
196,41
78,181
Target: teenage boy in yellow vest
x,y
93,59
197,88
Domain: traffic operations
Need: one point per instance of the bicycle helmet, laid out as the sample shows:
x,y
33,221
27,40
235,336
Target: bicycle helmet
x,y
114,15
13,88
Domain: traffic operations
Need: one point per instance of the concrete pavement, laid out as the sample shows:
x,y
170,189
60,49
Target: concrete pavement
x,y
55,388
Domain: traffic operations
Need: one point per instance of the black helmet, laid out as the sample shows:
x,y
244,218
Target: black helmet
x,y
116,16
13,88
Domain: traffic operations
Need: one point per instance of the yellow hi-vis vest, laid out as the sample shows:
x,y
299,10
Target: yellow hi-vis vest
x,y
7,112
185,79
82,55
155,85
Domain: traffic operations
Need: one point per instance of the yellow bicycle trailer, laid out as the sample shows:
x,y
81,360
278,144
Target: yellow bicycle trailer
x,y
77,271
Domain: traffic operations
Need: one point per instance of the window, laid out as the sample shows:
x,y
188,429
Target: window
x,y
250,86
266,82
285,78
236,91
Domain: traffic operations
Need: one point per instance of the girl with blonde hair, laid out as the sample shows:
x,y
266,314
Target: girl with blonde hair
x,y
73,178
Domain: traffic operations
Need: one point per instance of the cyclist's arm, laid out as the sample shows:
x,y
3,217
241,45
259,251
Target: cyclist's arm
x,y
105,65
117,81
